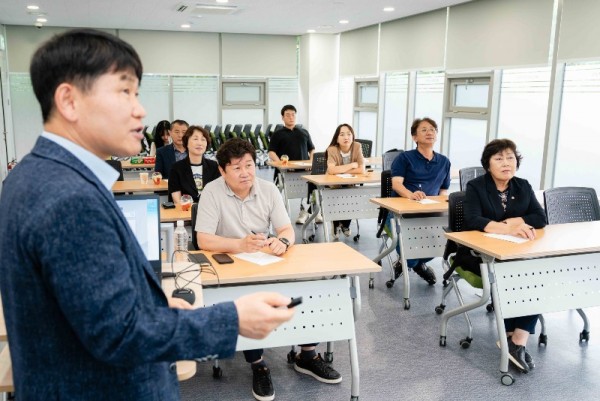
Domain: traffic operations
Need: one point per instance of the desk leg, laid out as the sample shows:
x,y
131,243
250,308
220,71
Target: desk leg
x,y
506,377
355,387
386,251
315,210
404,264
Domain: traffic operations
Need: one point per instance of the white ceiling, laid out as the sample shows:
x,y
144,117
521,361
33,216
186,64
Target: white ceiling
x,y
281,17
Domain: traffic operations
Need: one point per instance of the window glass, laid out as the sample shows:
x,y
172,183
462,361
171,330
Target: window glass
x,y
282,91
467,140
394,117
154,96
366,125
522,118
368,93
578,153
471,95
195,99
429,99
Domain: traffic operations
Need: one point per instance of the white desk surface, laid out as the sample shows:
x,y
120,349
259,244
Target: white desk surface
x,y
332,179
400,205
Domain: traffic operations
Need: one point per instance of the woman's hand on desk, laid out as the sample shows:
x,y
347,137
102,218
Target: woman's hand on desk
x,y
522,230
262,312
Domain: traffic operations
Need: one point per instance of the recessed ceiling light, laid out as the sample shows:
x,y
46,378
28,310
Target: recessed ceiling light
x,y
41,20
388,9
344,21
311,31
186,26
33,7
222,1
325,26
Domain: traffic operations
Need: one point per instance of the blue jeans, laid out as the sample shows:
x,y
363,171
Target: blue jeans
x,y
410,263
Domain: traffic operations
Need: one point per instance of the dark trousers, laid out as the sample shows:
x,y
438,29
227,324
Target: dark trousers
x,y
253,355
343,223
526,323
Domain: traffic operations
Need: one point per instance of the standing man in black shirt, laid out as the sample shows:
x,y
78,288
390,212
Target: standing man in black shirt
x,y
295,143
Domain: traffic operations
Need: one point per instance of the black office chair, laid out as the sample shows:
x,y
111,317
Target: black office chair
x,y
299,125
389,157
572,205
116,164
319,166
366,145
467,174
236,132
278,127
227,131
208,127
268,131
194,237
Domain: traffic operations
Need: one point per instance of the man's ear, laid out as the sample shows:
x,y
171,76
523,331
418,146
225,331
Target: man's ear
x,y
65,97
221,171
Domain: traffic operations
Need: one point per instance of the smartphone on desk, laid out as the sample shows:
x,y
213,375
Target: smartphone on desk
x,y
222,258
168,205
199,258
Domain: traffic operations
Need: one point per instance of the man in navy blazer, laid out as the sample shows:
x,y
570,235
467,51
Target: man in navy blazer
x,y
168,155
85,315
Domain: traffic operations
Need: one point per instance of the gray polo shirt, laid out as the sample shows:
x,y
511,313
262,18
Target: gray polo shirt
x,y
222,213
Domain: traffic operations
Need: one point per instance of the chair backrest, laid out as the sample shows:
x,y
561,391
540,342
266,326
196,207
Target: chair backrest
x,y
217,130
227,130
194,237
278,127
467,174
366,145
237,129
214,142
254,141
456,210
571,205
208,127
389,157
264,139
268,131
257,130
319,163
298,125
116,164
247,129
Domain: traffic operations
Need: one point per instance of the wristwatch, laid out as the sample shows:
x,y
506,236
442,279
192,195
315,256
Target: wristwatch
x,y
285,242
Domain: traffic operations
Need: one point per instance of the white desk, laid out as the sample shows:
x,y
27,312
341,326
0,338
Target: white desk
x,y
329,307
292,186
420,235
343,199
568,276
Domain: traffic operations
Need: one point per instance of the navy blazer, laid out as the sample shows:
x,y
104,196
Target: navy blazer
x,y
483,204
182,178
85,315
165,158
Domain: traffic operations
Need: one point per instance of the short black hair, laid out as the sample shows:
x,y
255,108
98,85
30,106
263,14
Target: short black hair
x,y
418,121
286,108
235,148
78,57
180,122
190,131
498,146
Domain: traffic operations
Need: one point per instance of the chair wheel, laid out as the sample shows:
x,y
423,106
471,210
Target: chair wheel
x,y
407,304
584,336
356,238
489,307
328,357
389,284
291,357
445,283
465,342
217,372
371,283
442,341
311,238
507,379
304,241
440,309
543,339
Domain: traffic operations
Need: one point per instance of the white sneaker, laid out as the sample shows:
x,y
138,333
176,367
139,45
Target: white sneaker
x,y
302,216
347,232
336,233
319,218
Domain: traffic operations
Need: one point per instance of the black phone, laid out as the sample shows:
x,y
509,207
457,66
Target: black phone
x,y
222,258
168,205
199,258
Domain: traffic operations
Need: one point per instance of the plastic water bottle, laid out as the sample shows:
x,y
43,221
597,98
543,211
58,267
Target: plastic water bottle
x,y
181,241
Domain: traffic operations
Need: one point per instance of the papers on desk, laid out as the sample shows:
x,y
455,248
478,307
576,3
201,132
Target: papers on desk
x,y
427,201
259,258
345,175
303,164
509,238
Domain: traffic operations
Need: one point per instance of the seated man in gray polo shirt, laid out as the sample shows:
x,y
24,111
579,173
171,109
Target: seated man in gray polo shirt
x,y
235,214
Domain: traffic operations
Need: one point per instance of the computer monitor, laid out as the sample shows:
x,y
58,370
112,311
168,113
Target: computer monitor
x,y
142,212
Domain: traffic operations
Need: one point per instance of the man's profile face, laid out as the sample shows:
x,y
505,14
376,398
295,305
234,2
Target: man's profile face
x,y
177,131
108,116
239,173
289,118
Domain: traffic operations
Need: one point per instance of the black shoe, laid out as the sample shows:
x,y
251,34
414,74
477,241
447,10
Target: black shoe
x,y
262,386
318,369
516,354
397,269
529,360
426,273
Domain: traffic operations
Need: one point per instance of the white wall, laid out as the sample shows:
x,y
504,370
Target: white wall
x,y
319,55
